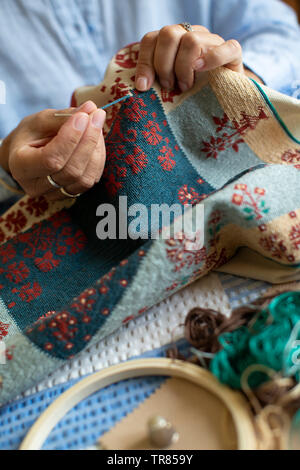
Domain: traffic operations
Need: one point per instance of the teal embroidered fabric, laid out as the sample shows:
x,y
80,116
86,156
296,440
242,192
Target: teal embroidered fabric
x,y
61,287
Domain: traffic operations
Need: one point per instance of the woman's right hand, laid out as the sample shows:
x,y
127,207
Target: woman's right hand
x,y
71,150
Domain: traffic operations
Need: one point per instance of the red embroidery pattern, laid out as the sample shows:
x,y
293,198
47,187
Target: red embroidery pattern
x,y
135,112
64,329
28,292
84,303
127,58
166,160
254,208
152,136
15,220
126,145
132,317
48,240
35,206
128,319
16,272
294,236
232,133
9,353
7,253
137,162
3,330
179,254
168,96
115,172
291,156
181,257
188,195
45,245
47,262
118,90
102,283
276,247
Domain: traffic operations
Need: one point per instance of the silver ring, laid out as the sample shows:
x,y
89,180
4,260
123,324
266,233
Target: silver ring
x,y
52,182
65,193
187,26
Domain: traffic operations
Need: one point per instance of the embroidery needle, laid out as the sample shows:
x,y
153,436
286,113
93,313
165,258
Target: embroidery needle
x,y
103,107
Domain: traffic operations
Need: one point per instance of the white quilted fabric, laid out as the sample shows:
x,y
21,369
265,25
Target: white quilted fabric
x,y
157,327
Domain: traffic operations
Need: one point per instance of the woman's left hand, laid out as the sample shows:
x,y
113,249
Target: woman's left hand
x,y
175,55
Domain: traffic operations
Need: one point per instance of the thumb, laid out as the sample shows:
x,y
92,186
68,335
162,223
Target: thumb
x,y
49,121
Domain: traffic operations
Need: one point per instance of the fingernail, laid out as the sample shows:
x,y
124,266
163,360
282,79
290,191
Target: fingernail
x,y
142,84
98,119
199,64
88,107
166,84
183,86
81,122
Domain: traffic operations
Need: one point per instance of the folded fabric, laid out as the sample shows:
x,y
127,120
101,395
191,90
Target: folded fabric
x,y
229,143
9,191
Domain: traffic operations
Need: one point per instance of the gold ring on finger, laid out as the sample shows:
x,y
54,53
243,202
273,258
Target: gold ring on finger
x,y
52,182
66,193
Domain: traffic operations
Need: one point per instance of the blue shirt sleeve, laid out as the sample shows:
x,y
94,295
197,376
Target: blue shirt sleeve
x,y
269,33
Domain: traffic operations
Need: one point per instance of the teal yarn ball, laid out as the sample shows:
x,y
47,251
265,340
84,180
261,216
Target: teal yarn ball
x,y
272,341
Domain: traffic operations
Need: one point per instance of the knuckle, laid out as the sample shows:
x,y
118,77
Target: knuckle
x,y
218,39
217,54
86,182
42,117
16,164
92,141
52,163
203,29
71,143
190,41
73,173
18,154
148,39
234,44
168,33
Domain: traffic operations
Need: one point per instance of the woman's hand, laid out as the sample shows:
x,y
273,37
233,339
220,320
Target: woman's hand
x,y
70,150
175,55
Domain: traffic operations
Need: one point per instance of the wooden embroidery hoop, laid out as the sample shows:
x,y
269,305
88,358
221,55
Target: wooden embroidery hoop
x,y
234,401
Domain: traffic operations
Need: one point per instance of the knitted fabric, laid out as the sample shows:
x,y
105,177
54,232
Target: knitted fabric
x,y
61,288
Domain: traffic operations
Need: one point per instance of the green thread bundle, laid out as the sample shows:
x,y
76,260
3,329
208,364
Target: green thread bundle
x,y
270,340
